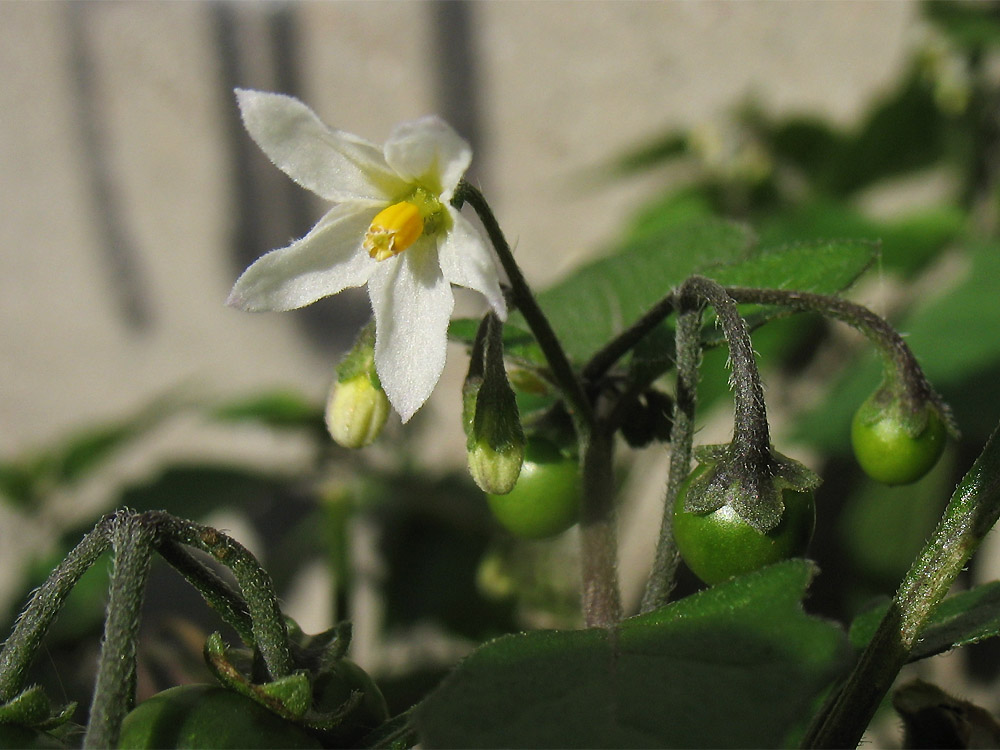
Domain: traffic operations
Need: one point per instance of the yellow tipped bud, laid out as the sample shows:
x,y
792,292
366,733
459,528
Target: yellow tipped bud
x,y
356,412
393,230
496,471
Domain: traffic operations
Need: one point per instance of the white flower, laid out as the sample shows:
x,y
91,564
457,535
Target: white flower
x,y
392,228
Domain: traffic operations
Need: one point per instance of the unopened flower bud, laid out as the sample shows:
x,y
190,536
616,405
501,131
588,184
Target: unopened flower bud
x,y
490,416
356,412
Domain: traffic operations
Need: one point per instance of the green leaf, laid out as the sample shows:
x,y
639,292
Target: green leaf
x,y
738,665
960,620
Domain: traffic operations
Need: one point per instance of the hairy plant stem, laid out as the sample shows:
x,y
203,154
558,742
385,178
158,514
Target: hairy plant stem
x,y
661,581
624,342
270,634
114,688
973,510
901,364
599,546
751,435
20,648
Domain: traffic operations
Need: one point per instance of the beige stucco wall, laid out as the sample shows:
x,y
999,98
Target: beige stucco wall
x,y
564,87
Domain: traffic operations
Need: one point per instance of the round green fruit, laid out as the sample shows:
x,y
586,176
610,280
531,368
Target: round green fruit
x,y
546,499
888,454
720,545
208,716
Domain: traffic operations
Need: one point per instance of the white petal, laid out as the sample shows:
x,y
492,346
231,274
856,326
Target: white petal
x,y
466,260
327,260
430,152
412,304
333,164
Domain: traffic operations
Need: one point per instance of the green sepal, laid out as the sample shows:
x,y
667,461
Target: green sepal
x,y
32,708
360,360
290,697
753,489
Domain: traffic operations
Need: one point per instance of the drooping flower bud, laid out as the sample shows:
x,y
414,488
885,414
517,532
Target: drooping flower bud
x,y
495,440
357,407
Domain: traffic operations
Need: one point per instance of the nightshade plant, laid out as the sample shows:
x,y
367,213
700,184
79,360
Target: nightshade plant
x,y
614,355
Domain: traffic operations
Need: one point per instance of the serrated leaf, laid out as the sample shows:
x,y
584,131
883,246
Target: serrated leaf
x,y
738,665
824,267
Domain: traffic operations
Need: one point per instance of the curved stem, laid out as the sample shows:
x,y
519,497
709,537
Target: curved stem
x,y
270,634
216,592
890,345
20,648
973,510
751,435
688,336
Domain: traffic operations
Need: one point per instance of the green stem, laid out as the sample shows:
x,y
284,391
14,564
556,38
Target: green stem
x,y
270,634
973,510
20,648
688,351
215,591
114,688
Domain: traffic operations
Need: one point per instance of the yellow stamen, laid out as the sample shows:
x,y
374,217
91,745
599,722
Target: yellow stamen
x,y
393,230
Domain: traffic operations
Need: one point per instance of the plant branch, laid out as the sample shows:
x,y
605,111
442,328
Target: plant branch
x,y
973,510
615,349
20,648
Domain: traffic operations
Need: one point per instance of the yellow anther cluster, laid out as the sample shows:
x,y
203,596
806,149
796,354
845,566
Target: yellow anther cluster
x,y
393,229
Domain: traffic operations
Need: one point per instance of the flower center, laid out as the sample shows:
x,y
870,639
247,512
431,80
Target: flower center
x,y
393,230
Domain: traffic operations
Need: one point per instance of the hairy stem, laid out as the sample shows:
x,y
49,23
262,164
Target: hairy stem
x,y
114,688
216,592
893,349
973,510
598,538
751,435
20,648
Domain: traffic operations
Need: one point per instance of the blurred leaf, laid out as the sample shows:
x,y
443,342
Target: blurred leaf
x,y
282,409
907,244
26,481
196,491
738,665
960,620
970,25
903,133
